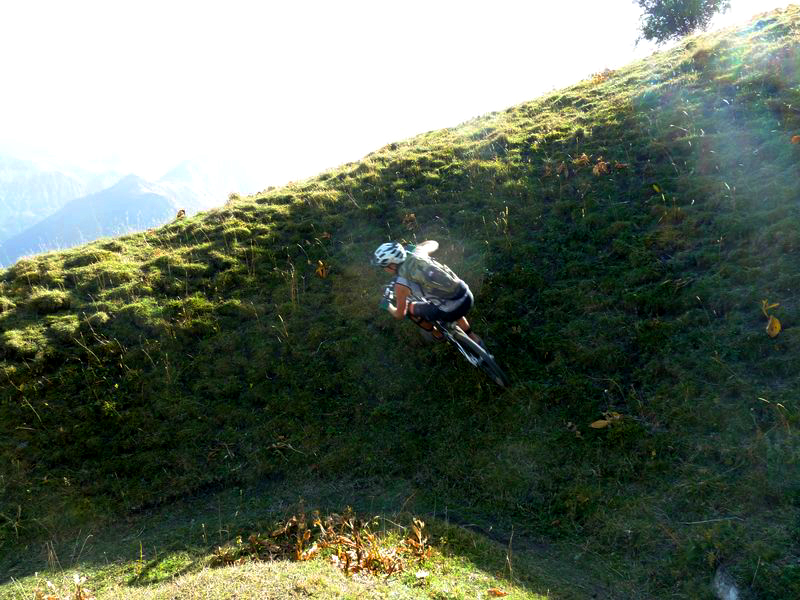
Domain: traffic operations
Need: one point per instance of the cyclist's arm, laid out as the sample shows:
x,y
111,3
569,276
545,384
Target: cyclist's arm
x,y
401,294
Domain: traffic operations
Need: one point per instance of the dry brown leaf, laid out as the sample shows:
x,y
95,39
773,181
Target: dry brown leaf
x,y
602,76
581,161
796,139
601,168
410,221
322,269
766,305
310,553
599,424
773,327
496,593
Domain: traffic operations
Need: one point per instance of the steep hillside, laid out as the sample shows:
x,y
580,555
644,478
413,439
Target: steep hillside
x,y
626,238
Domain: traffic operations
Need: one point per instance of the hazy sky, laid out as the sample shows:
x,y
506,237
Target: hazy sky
x,y
286,89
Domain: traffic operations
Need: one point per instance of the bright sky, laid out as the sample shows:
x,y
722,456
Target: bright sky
x,y
286,89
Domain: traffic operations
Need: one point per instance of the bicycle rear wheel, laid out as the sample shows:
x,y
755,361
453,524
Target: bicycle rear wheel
x,y
485,360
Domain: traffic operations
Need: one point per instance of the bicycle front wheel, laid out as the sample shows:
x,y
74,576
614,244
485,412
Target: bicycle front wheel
x,y
485,361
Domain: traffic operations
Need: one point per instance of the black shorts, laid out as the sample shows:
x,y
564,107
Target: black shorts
x,y
431,312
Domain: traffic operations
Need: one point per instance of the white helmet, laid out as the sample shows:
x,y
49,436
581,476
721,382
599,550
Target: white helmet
x,y
390,253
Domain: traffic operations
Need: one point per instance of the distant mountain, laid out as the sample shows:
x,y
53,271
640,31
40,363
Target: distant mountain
x,y
28,193
95,182
132,204
193,187
88,208
210,181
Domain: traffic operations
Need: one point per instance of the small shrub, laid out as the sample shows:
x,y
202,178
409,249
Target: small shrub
x,y
45,302
101,276
188,307
355,545
701,57
6,304
174,266
22,343
235,311
237,232
113,246
87,257
127,292
24,271
97,319
64,327
220,261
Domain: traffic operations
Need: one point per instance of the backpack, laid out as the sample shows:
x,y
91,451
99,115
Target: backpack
x,y
435,279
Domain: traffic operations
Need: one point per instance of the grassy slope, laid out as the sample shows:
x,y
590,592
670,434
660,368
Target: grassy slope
x,y
170,554
209,353
466,568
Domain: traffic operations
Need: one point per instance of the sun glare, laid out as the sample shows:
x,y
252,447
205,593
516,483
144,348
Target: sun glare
x,y
286,90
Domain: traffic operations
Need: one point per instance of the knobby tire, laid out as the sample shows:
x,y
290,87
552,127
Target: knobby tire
x,y
487,363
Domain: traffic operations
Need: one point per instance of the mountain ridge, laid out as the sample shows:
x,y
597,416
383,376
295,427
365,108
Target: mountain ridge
x,y
131,204
27,192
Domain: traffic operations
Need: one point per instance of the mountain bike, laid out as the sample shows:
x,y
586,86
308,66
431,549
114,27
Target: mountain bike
x,y
475,354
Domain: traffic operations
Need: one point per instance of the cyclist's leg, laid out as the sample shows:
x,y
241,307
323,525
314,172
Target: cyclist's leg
x,y
460,316
418,311
466,328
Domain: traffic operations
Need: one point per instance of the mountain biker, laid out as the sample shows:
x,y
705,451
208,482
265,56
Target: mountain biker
x,y
444,296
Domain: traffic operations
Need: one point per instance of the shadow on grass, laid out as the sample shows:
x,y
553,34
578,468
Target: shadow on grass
x,y
180,539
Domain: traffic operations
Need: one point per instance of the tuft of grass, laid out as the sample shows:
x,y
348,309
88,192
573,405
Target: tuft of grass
x,y
43,301
23,343
193,550
6,304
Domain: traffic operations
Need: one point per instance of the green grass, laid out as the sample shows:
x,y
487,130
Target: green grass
x,y
171,553
208,354
282,579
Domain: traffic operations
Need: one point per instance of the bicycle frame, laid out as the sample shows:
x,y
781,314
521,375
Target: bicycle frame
x,y
443,326
476,356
